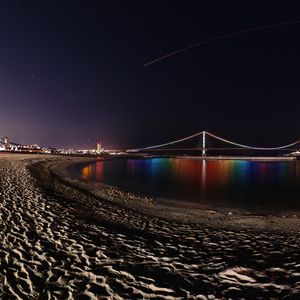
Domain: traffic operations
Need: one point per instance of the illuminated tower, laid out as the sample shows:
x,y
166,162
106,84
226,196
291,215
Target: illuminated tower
x,y
203,144
99,147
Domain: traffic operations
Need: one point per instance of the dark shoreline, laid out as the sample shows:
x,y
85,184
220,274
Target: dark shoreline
x,y
235,220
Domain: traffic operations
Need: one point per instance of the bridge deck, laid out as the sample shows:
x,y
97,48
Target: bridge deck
x,y
250,158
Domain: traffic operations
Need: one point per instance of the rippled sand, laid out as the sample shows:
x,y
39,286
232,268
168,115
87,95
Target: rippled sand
x,y
60,243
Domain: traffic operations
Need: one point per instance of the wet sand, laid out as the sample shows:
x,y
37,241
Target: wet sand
x,y
62,239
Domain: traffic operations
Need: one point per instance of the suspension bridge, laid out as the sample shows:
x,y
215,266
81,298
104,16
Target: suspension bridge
x,y
204,147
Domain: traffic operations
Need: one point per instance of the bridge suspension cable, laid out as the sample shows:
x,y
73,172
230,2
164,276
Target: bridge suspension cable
x,y
166,144
252,147
204,133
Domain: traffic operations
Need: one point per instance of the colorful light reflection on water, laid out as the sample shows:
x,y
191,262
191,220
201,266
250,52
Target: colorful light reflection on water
x,y
253,186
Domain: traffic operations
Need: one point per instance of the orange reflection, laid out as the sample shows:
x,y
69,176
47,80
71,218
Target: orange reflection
x,y
86,172
208,173
93,171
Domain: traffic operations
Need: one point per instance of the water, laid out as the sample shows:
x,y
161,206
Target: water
x,y
260,187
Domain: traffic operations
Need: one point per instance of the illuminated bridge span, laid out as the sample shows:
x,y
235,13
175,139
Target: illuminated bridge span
x,y
203,136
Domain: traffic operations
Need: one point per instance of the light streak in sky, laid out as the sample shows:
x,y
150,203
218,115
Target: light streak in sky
x,y
221,37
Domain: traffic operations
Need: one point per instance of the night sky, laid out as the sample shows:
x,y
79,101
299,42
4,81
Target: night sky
x,y
71,72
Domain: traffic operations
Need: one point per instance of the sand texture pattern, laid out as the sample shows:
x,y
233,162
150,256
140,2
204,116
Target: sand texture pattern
x,y
55,246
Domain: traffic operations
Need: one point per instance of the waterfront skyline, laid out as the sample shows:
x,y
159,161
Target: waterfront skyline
x,y
72,73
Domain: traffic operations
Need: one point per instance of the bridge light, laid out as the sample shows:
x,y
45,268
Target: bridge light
x,y
203,143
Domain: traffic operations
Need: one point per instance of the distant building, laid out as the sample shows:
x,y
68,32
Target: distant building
x,y
99,147
4,144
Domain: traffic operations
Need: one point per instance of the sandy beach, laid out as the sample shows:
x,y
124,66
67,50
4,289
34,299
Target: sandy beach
x,y
64,239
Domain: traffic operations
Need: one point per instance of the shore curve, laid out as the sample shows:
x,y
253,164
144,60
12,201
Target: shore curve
x,y
62,242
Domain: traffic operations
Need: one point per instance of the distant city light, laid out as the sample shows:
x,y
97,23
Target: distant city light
x,y
7,146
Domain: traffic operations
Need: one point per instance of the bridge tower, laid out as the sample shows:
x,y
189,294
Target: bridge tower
x,y
203,144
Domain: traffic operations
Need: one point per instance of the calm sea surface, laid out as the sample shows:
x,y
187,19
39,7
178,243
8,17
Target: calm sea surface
x,y
260,187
